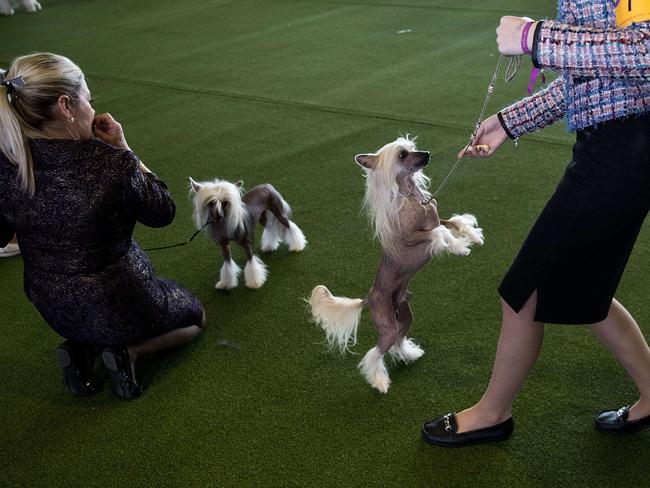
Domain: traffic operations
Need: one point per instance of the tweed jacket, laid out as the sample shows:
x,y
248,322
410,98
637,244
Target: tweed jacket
x,y
604,70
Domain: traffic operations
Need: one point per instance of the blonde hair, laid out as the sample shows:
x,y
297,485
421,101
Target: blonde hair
x,y
47,76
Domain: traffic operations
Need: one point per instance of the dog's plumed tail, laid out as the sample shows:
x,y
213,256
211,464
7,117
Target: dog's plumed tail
x,y
338,316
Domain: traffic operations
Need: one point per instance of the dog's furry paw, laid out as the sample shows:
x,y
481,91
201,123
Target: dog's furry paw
x,y
224,285
406,351
32,6
5,8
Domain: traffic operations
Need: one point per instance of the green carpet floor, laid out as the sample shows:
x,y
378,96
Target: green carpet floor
x,y
287,92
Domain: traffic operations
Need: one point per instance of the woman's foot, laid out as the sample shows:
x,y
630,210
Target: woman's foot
x,y
639,411
619,421
444,432
78,361
474,418
121,366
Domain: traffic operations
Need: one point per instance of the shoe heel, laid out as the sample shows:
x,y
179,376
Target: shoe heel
x,y
109,361
122,385
76,379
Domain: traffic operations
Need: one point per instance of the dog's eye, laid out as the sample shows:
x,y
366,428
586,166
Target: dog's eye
x,y
403,155
224,204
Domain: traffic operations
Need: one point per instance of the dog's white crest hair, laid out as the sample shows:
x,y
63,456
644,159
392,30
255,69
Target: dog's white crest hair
x,y
217,192
381,200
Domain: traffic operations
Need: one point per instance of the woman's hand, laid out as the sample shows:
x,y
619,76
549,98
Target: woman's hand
x,y
109,130
509,35
489,137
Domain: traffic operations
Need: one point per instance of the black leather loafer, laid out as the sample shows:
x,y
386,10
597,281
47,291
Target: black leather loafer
x,y
616,421
118,363
77,362
443,432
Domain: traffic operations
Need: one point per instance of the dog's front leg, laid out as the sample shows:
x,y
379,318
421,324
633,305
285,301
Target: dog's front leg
x,y
419,237
255,271
229,271
465,226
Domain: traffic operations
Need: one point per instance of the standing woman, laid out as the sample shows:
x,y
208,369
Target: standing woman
x,y
73,200
569,267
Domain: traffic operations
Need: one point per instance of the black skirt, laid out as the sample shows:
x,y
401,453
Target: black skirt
x,y
575,254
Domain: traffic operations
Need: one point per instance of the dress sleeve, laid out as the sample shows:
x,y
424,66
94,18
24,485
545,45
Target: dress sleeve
x,y
590,52
146,197
535,112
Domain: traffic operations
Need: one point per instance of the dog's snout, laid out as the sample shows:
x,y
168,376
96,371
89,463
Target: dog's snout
x,y
426,155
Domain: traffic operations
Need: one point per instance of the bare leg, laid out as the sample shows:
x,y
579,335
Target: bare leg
x,y
518,349
621,335
171,339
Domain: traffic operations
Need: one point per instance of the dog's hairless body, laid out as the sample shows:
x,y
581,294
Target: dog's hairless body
x,y
257,201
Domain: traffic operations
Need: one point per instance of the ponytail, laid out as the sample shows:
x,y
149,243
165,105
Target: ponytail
x,y
13,143
25,108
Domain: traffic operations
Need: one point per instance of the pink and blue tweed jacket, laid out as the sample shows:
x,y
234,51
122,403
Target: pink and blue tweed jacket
x,y
605,70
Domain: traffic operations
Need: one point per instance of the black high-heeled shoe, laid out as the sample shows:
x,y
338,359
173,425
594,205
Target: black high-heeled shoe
x,y
118,363
78,361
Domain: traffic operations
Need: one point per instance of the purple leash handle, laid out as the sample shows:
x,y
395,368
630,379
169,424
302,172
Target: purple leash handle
x,y
524,38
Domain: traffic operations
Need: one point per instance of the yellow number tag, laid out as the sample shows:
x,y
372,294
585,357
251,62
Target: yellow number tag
x,y
631,11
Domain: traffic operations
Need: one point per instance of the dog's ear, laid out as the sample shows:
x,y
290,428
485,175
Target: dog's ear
x,y
366,160
195,187
239,183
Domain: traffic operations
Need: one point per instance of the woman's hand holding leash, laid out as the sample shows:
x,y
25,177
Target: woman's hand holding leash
x,y
489,137
515,37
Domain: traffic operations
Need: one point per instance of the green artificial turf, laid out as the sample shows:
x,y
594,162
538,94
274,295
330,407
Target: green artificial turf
x,y
287,92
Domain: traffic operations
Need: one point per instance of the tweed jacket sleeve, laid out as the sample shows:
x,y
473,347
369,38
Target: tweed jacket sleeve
x,y
535,112
591,52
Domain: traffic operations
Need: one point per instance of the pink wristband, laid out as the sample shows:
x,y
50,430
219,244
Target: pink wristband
x,y
524,38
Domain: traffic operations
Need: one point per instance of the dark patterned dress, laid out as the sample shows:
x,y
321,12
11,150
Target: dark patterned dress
x,y
84,273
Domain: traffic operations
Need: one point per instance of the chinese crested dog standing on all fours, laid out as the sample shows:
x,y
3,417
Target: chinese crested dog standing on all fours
x,y
227,215
406,222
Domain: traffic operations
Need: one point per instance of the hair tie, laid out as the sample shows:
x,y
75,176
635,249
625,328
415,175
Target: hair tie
x,y
12,84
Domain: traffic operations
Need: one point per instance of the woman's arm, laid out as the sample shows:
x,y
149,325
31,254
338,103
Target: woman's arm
x,y
535,112
590,52
145,197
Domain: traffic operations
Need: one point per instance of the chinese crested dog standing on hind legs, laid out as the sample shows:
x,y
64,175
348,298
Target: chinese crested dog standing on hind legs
x,y
406,222
227,215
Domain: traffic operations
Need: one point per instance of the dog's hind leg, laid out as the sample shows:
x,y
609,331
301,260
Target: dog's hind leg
x,y
229,271
6,8
279,212
273,232
255,271
372,365
405,349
